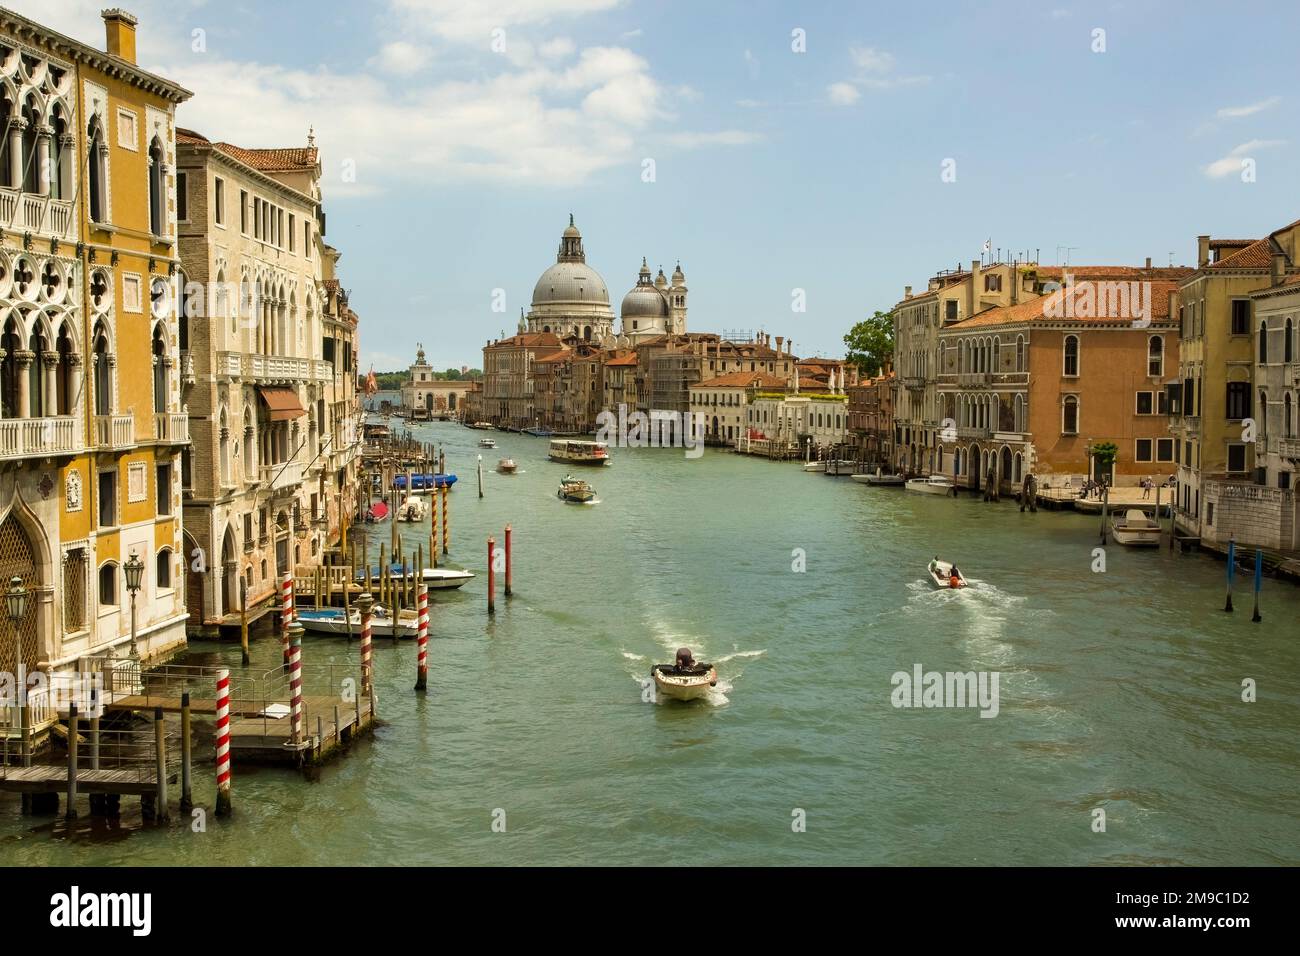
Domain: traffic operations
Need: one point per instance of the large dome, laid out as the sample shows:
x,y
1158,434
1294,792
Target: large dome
x,y
643,303
567,282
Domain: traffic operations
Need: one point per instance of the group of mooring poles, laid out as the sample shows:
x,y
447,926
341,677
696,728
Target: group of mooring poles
x,y
1259,577
492,570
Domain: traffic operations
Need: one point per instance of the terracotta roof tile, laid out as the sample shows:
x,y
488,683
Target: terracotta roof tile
x,y
1257,255
1035,309
742,380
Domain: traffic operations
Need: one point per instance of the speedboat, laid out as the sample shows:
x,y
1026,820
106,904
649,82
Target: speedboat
x,y
933,485
412,509
941,574
685,679
1136,529
437,579
880,480
506,466
576,491
814,466
487,443
330,620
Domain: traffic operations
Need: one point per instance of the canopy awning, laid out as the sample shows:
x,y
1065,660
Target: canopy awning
x,y
282,403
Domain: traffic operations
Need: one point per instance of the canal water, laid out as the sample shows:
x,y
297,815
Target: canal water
x,y
1118,690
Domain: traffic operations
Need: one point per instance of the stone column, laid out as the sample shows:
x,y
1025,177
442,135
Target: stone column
x,y
51,360
74,382
16,129
44,159
23,359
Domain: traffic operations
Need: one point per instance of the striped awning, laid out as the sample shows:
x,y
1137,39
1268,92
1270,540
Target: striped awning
x,y
282,403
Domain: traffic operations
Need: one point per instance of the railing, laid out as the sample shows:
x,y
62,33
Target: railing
x,y
115,431
973,431
229,364
282,476
1293,374
1289,448
24,212
973,378
35,437
40,713
172,428
187,367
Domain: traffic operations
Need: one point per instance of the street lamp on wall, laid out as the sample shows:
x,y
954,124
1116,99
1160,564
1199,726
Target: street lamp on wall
x,y
16,599
133,568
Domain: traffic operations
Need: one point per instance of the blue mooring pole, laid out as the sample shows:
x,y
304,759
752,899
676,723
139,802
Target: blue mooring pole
x,y
1232,566
1259,582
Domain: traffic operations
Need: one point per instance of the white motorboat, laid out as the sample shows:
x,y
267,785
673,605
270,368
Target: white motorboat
x,y
507,466
840,466
487,443
685,679
933,485
412,509
437,579
1136,529
814,466
331,621
941,574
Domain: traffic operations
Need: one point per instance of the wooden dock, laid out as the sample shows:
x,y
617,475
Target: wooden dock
x,y
54,779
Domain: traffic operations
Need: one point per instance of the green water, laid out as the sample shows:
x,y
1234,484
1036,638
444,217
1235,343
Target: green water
x,y
1119,690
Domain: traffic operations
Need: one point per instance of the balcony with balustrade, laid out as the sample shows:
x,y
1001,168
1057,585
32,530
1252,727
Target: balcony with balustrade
x,y
39,215
171,428
282,477
272,369
1289,448
40,437
115,432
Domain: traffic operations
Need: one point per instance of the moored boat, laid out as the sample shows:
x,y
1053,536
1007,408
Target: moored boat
x,y
685,679
332,621
933,485
573,452
377,512
425,481
538,432
412,509
437,579
880,480
941,573
1136,529
576,491
840,466
506,466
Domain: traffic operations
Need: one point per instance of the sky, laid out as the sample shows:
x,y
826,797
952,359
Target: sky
x,y
823,154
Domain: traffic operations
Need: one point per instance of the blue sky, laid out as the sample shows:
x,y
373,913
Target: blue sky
x,y
774,170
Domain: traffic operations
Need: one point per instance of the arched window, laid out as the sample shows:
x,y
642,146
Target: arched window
x,y
66,348
97,174
1020,353
1263,413
1288,343
1071,366
163,569
108,596
1070,416
1156,356
157,188
11,342
223,435
33,168
159,350
1286,416
103,372
1263,343
60,155
1020,413
250,445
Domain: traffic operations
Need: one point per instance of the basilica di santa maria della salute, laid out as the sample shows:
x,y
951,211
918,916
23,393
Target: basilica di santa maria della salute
x,y
571,299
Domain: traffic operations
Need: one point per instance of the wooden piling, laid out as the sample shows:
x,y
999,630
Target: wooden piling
x,y
1259,582
446,538
160,761
507,560
1232,566
364,602
295,684
70,812
187,796
480,476
243,620
422,636
491,575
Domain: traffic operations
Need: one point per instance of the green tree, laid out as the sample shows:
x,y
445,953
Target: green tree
x,y
871,343
452,375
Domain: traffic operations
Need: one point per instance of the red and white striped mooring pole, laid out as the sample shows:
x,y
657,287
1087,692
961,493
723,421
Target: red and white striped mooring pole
x,y
364,603
223,742
492,576
295,683
422,635
286,611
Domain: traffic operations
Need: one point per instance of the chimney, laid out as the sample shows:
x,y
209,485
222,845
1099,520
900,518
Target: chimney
x,y
1148,262
907,292
973,296
119,33
1279,268
779,340
1202,251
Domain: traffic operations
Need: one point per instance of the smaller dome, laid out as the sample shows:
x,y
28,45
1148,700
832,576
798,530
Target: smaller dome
x,y
643,302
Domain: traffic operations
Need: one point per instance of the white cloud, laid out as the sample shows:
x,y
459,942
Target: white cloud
x,y
871,60
726,137
1236,112
469,21
400,58
1232,162
556,49
843,94
630,34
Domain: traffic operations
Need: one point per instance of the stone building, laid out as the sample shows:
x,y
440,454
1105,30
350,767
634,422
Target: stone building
x,y
508,377
654,307
570,297
91,420
425,395
264,400
722,403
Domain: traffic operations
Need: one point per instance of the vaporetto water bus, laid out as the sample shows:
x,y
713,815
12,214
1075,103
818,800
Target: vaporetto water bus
x,y
579,452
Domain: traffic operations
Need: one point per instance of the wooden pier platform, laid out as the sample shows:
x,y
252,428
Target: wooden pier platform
x,y
54,779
